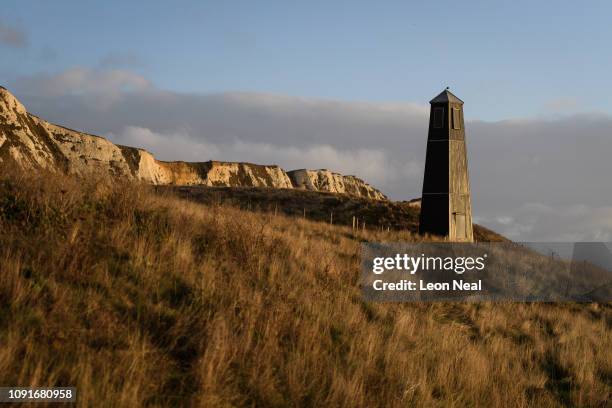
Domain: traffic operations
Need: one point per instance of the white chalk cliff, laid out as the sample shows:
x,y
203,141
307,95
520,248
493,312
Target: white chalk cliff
x,y
32,143
325,180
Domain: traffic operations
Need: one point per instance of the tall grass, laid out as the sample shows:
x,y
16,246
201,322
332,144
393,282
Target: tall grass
x,y
138,298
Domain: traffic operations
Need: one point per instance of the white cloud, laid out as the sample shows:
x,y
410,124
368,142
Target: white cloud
x,y
101,88
562,105
166,146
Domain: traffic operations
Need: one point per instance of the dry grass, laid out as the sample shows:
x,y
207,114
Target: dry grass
x,y
139,299
338,209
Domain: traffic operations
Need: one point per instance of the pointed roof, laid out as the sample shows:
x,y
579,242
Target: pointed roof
x,y
446,96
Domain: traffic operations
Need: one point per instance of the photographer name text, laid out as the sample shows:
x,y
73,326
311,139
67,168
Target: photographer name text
x,y
421,285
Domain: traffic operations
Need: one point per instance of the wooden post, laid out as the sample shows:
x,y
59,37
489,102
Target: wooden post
x,y
304,212
275,208
364,225
353,223
331,218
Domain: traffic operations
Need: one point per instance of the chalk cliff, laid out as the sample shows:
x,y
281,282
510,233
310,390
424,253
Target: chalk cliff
x,y
325,180
32,143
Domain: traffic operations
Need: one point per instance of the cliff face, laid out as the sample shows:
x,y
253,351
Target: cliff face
x,y
32,143
325,180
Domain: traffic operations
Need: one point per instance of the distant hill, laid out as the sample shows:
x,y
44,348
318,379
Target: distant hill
x,y
33,143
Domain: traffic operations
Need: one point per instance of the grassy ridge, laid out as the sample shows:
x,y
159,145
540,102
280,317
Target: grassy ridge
x,y
141,298
337,209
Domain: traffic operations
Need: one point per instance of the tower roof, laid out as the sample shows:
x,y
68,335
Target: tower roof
x,y
446,96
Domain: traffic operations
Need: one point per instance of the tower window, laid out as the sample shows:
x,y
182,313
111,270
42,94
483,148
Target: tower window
x,y
438,118
456,118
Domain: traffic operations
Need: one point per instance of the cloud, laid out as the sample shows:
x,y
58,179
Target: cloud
x,y
542,222
535,178
166,146
12,36
562,105
98,88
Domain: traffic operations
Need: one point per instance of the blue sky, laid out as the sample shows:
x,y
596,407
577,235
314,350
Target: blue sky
x,y
506,60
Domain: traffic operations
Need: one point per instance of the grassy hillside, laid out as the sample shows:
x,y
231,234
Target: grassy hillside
x,y
336,209
141,298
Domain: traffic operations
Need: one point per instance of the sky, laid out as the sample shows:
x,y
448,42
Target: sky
x,y
342,85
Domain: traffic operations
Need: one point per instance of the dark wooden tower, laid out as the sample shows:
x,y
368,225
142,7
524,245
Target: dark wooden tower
x,y
446,207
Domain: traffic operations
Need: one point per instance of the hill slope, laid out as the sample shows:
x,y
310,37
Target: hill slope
x,y
337,209
139,298
32,143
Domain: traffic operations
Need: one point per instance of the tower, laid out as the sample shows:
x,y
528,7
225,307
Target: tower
x,y
446,207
